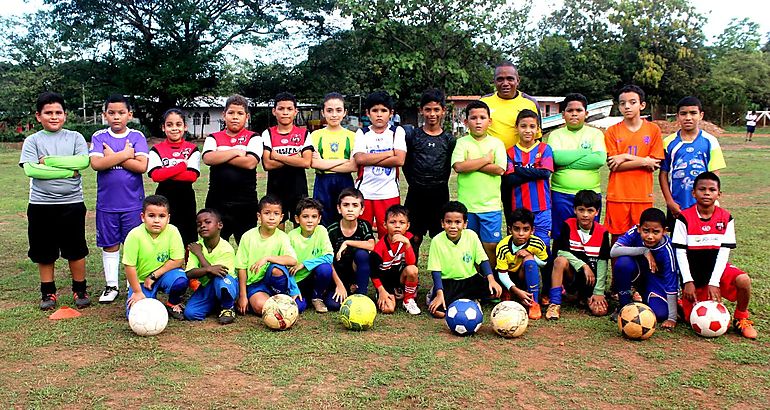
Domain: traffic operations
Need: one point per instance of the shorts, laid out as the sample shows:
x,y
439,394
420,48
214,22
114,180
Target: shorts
x,y
576,285
727,289
563,208
208,299
237,217
374,210
543,227
425,206
183,208
264,286
751,128
56,229
474,287
619,217
391,278
326,190
163,284
113,227
487,225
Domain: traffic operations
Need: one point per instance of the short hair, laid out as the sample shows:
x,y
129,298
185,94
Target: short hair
x,y
522,215
237,99
652,215
176,111
707,176
433,95
211,211
117,98
333,96
455,206
689,101
309,203
474,105
350,191
397,210
526,114
573,97
269,199
378,98
588,199
506,63
49,98
156,200
632,88
284,96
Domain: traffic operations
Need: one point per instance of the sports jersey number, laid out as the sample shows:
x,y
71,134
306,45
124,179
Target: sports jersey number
x,y
633,150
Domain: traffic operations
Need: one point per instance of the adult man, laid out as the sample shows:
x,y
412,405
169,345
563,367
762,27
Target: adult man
x,y
506,103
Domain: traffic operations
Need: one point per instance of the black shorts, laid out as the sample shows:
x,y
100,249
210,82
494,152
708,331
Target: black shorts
x,y
425,205
56,229
391,278
670,222
237,217
577,285
182,208
474,287
751,128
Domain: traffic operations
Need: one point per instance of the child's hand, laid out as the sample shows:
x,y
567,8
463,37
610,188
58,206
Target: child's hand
x,y
41,160
195,248
148,282
715,293
242,304
674,208
128,150
668,324
491,156
524,297
590,275
135,297
401,238
385,300
218,270
296,268
297,296
523,253
257,266
651,262
651,163
107,150
340,294
494,288
342,249
688,292
598,305
437,302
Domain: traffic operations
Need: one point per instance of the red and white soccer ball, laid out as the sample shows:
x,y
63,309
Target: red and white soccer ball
x,y
709,318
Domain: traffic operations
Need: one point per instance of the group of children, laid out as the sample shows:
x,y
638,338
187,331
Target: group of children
x,y
550,191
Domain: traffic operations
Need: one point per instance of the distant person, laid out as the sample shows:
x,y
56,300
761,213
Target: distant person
x,y
751,124
396,119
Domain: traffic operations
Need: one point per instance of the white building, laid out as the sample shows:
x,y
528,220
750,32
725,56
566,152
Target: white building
x,y
204,115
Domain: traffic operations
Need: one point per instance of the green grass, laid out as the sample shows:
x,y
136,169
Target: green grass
x,y
741,129
404,362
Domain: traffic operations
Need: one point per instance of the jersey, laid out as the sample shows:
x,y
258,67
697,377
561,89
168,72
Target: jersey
x,y
667,273
294,143
456,261
508,261
573,173
222,254
702,239
118,189
533,195
685,160
377,182
751,120
504,113
333,144
387,255
479,191
226,181
254,247
313,247
634,185
589,247
363,232
147,254
169,154
427,163
47,144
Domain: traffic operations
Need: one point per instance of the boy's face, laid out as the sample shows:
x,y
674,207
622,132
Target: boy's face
x,y
453,224
209,226
51,117
334,112
155,218
308,219
575,114
396,224
520,232
174,127
285,112
651,233
706,192
585,216
527,128
235,117
270,216
630,105
117,116
477,122
379,115
689,117
433,113
350,208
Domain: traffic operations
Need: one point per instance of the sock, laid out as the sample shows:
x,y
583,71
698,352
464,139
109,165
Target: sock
x,y
361,257
623,271
741,314
410,290
177,290
555,295
532,276
78,286
47,288
226,299
111,265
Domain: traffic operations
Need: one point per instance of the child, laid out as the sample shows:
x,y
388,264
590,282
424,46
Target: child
x,y
332,159
119,155
352,239
751,124
233,155
530,164
522,254
644,256
703,236
313,272
53,158
479,161
263,260
287,153
634,150
378,152
578,154
455,258
427,168
175,164
153,257
689,152
212,261
582,256
392,263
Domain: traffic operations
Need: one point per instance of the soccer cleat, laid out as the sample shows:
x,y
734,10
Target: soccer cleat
x,y
411,307
48,302
745,328
226,316
534,311
82,300
614,315
553,312
109,294
319,306
175,311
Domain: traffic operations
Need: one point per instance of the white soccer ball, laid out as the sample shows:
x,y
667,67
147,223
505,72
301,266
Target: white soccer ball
x,y
709,318
148,317
509,319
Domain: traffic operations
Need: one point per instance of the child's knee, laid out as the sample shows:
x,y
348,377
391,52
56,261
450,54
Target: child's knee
x,y
410,273
743,281
190,314
276,272
323,271
560,263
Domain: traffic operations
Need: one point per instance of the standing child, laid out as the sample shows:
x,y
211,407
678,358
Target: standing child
x,y
119,155
175,164
287,153
332,159
233,155
378,152
352,239
53,159
427,168
751,124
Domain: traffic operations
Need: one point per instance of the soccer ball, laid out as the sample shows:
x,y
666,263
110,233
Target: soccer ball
x,y
509,319
709,318
280,312
464,317
358,312
148,317
636,321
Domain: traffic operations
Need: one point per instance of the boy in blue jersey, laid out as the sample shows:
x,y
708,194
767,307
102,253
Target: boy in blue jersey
x,y
644,256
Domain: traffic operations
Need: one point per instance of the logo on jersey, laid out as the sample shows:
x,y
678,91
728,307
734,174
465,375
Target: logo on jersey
x,y
706,228
163,256
690,149
334,146
467,257
720,226
646,140
431,144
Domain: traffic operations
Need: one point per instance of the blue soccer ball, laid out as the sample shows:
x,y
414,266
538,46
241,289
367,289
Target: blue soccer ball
x,y
464,317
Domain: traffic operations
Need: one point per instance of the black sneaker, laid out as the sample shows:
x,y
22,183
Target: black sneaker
x,y
82,300
48,302
614,315
175,311
226,316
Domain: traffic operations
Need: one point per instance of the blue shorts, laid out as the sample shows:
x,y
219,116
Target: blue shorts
x,y
267,284
208,298
487,225
163,284
113,227
326,190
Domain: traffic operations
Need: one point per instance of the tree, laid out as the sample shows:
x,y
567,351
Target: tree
x,y
738,35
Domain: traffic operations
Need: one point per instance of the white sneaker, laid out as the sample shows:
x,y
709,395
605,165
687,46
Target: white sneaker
x,y
411,307
319,305
109,295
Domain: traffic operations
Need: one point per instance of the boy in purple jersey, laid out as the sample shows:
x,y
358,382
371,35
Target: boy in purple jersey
x,y
119,156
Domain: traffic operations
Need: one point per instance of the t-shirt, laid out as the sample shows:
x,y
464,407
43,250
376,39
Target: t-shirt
x,y
751,120
46,144
387,255
479,191
147,254
427,163
533,195
589,247
686,160
294,143
118,189
333,144
363,233
373,181
226,181
456,260
167,154
222,254
315,246
574,177
663,254
507,261
634,185
702,239
504,113
254,247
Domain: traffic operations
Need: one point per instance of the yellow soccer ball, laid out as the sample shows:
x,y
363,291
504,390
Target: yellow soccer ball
x,y
358,312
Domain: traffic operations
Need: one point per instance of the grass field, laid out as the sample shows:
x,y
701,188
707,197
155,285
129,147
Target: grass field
x,y
95,361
